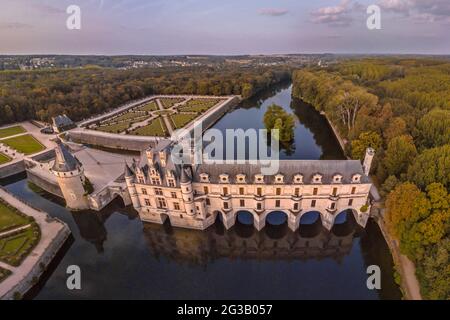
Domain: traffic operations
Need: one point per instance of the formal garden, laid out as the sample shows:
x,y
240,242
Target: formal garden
x,y
19,234
4,158
26,144
11,131
150,119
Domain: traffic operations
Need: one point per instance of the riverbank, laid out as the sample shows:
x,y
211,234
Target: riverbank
x,y
405,267
54,234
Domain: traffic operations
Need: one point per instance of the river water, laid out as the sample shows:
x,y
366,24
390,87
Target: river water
x,y
122,258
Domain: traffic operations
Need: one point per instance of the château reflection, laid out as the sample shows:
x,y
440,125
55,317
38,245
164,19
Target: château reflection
x,y
245,242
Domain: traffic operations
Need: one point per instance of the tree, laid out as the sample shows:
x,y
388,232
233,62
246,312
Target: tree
x,y
364,141
433,165
277,118
434,128
400,153
395,128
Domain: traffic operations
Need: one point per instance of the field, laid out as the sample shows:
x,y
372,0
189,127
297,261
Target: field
x,y
6,132
170,102
4,158
4,274
26,144
181,119
16,246
10,218
155,128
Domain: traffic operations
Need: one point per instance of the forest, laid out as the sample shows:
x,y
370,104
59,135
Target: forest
x,y
400,107
82,92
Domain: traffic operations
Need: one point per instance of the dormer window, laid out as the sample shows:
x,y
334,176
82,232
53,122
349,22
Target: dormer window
x,y
317,178
259,178
153,171
279,178
204,177
356,178
337,178
298,178
240,178
223,178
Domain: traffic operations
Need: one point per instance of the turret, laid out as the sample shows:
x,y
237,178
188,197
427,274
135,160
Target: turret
x,y
187,191
129,179
370,153
70,176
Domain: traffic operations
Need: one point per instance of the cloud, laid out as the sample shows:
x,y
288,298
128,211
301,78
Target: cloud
x,y
14,25
339,15
273,12
419,10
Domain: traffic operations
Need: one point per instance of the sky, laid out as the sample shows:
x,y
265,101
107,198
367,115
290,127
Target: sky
x,y
224,27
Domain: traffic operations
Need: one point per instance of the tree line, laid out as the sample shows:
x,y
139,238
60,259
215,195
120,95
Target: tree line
x,y
83,92
402,109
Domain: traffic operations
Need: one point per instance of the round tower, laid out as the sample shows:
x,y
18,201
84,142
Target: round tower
x,y
70,176
370,153
129,179
187,191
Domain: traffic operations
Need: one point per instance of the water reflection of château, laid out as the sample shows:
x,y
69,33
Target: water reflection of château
x,y
192,247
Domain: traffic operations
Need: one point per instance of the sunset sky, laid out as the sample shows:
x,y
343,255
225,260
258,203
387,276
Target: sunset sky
x,y
224,27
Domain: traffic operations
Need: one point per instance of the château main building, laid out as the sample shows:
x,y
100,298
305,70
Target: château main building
x,y
194,196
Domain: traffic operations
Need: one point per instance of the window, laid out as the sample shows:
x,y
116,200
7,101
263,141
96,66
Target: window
x,y
205,190
225,190
258,206
140,180
156,181
259,191
353,190
350,202
144,191
173,195
333,206
176,206
171,183
278,191
161,203
241,190
158,191
208,202
313,203
295,206
315,191
334,191
225,205
277,203
297,191
147,202
242,203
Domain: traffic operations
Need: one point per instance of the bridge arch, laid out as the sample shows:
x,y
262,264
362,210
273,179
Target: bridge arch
x,y
276,218
276,224
310,217
344,223
244,225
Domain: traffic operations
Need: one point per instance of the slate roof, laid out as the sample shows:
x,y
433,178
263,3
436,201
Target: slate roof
x,y
64,161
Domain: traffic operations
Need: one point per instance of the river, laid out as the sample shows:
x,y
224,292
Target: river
x,y
122,258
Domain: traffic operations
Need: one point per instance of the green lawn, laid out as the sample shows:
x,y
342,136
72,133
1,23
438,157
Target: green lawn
x,y
169,102
151,106
155,128
26,144
15,247
4,158
181,119
4,273
135,116
10,218
199,105
6,132
115,128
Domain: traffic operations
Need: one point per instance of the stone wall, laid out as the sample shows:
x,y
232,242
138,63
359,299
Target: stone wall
x,y
12,169
45,184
